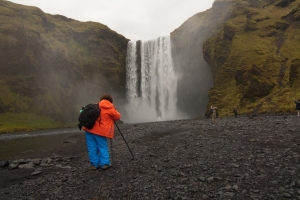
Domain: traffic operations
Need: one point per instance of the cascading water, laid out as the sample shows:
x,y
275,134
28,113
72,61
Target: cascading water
x,y
151,82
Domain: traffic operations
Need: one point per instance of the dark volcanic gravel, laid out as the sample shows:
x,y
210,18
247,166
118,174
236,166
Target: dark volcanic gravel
x,y
243,158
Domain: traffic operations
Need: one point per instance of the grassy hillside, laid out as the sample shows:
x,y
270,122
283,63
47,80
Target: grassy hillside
x,y
255,57
51,65
242,54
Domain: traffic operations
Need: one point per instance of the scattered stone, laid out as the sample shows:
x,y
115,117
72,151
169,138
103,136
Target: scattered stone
x,y
4,163
66,167
229,194
26,166
235,165
13,166
183,159
210,179
236,187
36,161
35,173
227,187
287,195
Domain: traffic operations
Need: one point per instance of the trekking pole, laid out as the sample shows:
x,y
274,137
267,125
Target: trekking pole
x,y
111,149
124,140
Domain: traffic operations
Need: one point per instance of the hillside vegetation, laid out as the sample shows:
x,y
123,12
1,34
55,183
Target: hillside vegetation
x,y
255,57
242,54
51,65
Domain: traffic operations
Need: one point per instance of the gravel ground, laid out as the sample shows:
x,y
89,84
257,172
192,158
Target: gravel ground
x,y
238,158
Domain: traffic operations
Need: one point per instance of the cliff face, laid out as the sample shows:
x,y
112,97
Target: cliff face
x,y
195,74
255,57
242,54
53,65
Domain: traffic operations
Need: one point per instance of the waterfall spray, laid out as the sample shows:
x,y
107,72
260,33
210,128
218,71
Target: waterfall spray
x,y
151,82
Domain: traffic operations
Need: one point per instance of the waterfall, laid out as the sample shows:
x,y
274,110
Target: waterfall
x,y
151,82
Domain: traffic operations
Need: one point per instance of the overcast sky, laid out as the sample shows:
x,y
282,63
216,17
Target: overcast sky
x,y
134,19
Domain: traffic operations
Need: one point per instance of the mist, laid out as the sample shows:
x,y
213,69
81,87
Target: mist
x,y
176,88
193,77
196,75
153,86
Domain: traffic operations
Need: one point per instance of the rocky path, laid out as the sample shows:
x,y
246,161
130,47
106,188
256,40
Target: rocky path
x,y
239,158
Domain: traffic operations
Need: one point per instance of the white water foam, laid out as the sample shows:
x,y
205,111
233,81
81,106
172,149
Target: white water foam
x,y
151,83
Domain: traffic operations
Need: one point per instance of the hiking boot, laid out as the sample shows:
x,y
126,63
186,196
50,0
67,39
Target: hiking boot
x,y
105,167
94,168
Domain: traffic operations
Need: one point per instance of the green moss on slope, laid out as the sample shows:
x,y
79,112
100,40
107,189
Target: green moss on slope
x,y
13,122
52,65
255,58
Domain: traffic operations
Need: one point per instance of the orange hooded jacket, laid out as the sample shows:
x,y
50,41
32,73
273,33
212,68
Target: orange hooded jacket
x,y
104,125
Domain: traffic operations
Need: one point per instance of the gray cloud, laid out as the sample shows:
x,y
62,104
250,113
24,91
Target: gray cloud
x,y
134,19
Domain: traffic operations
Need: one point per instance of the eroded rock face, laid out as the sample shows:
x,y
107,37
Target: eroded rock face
x,y
254,56
252,83
250,26
293,15
195,75
294,71
284,3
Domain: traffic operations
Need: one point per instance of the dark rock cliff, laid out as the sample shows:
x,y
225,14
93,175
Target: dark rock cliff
x,y
240,54
195,74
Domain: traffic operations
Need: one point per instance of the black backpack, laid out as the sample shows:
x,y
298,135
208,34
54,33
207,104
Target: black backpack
x,y
88,115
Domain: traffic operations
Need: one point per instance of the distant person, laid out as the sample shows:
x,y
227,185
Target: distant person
x,y
213,108
297,102
235,112
103,129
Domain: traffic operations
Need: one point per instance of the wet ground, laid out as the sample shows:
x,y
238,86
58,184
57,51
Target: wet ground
x,y
239,158
27,143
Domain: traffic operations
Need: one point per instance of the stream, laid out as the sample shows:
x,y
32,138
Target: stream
x,y
26,143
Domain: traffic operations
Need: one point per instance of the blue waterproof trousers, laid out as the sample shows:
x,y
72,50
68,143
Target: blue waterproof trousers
x,y
98,150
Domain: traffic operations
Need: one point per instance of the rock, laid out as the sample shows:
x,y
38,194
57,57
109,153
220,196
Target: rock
x,y
26,166
66,167
210,179
4,163
235,165
236,187
228,194
46,160
36,161
286,195
175,172
227,187
36,173
13,166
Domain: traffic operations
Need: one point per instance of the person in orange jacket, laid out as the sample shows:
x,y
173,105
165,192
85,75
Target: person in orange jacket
x,y
103,129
